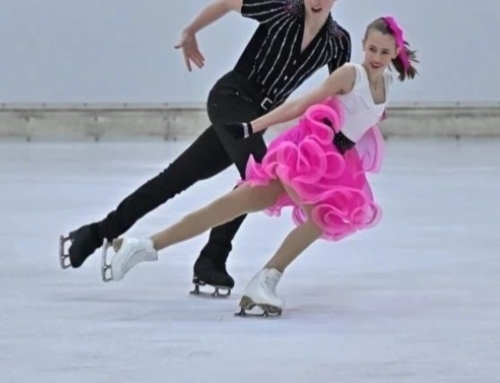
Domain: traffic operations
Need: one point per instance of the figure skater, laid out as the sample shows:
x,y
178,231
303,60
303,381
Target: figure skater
x,y
294,39
318,167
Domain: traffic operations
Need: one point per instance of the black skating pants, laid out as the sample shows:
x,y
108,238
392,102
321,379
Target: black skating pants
x,y
231,99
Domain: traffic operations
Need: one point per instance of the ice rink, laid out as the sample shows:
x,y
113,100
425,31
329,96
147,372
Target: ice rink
x,y
416,299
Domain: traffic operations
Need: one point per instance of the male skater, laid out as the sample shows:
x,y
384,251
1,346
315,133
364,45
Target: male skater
x,y
294,39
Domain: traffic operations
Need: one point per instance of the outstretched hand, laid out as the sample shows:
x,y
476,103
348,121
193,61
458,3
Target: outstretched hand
x,y
190,50
239,130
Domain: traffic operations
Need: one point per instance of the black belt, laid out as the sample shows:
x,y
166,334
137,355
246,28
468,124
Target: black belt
x,y
252,91
342,143
266,104
340,140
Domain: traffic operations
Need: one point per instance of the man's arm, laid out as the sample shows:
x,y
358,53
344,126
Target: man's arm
x,y
264,11
207,16
259,10
212,13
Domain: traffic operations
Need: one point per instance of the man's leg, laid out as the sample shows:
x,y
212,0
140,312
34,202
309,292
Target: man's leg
x,y
227,102
203,159
219,244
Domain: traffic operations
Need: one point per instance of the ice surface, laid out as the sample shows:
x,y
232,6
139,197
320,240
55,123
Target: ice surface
x,y
414,300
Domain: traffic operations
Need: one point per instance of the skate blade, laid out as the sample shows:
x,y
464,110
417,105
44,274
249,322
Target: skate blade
x,y
215,294
64,259
268,311
106,272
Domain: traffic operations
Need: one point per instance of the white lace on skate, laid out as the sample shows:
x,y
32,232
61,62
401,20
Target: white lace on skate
x,y
261,292
131,252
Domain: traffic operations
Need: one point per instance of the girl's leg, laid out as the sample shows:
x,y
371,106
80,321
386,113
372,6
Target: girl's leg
x,y
297,240
242,200
261,290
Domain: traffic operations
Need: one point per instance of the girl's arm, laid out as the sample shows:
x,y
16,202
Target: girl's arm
x,y
340,81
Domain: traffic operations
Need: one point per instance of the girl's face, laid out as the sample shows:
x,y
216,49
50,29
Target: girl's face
x,y
380,49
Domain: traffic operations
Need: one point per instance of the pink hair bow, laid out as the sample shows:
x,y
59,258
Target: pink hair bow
x,y
400,42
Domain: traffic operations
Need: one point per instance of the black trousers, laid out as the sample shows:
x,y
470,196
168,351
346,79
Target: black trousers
x,y
232,99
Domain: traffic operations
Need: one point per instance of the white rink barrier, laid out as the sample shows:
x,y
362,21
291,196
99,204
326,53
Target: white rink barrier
x,y
173,121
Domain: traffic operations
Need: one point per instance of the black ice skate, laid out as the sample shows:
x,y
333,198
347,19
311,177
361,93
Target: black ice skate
x,y
207,273
84,241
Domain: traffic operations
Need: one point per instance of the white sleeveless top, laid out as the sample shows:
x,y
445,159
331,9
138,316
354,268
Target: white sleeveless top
x,y
360,110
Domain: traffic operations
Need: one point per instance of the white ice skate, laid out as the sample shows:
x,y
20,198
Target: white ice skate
x,y
261,292
129,252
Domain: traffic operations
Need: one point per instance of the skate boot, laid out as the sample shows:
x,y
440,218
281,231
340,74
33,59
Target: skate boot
x,y
84,241
129,252
208,272
261,292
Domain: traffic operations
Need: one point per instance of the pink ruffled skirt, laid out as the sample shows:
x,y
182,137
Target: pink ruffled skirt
x,y
334,185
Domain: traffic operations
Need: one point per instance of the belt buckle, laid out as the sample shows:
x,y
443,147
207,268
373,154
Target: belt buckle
x,y
263,103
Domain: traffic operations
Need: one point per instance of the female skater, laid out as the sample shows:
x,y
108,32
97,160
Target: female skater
x,y
318,167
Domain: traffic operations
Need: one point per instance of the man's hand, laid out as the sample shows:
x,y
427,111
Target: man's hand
x,y
239,130
190,50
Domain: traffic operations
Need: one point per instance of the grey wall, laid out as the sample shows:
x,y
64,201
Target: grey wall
x,y
122,51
